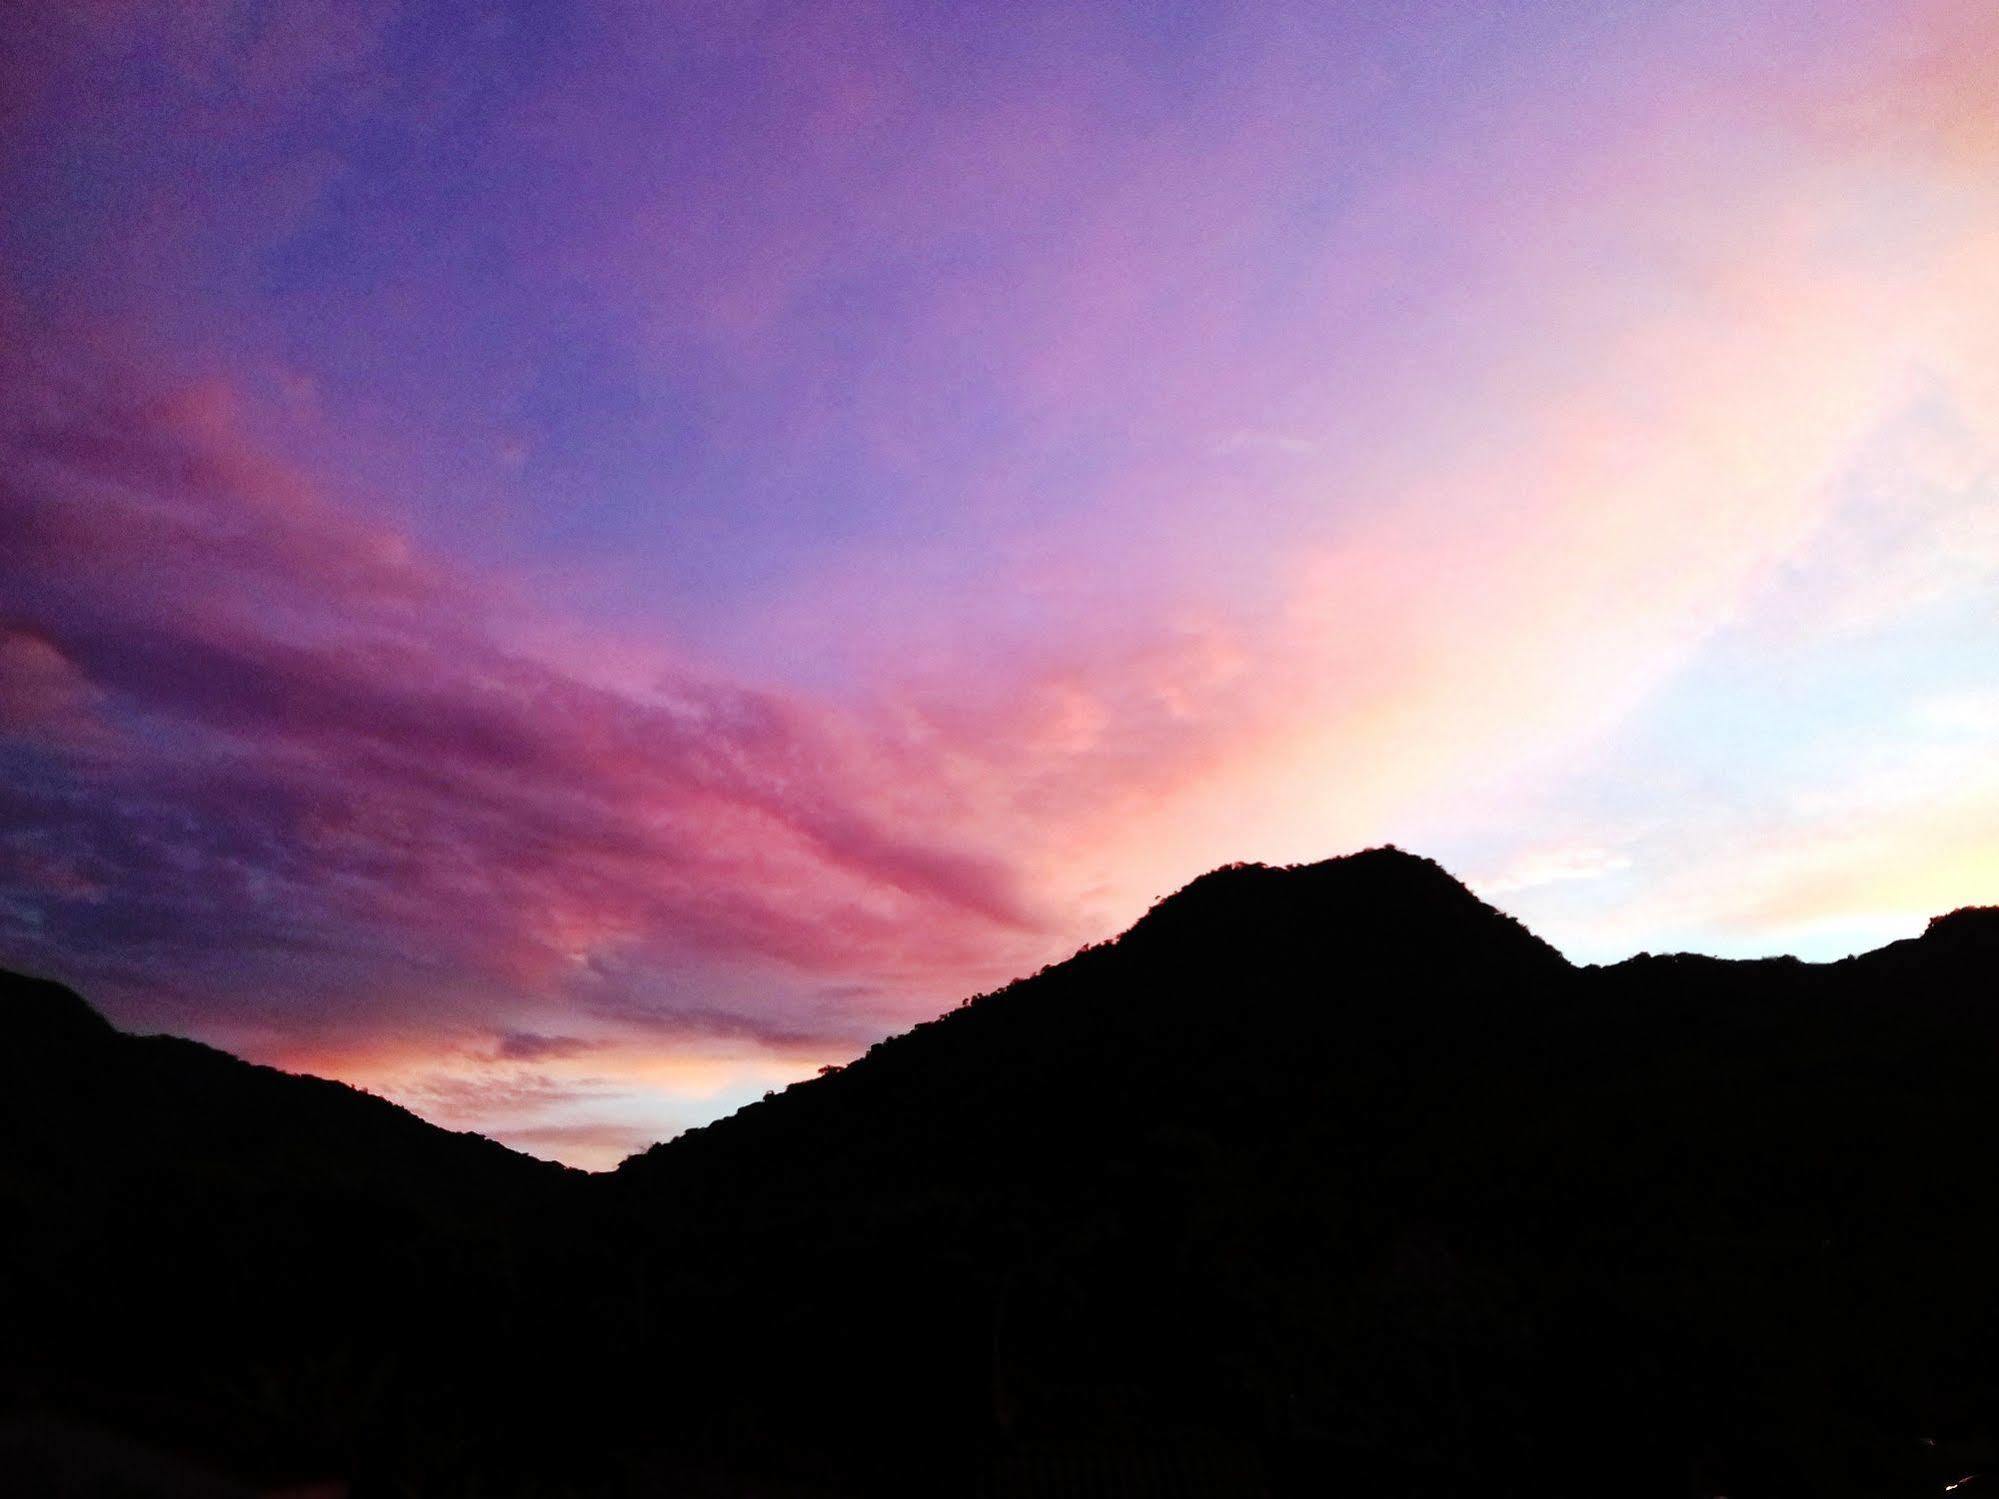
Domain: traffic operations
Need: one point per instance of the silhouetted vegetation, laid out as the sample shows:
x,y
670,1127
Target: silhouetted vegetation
x,y
1319,1180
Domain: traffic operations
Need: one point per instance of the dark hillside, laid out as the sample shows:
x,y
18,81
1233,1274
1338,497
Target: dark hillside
x,y
1318,1180
262,1265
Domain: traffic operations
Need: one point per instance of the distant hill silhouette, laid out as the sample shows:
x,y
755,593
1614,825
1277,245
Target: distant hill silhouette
x,y
1328,1179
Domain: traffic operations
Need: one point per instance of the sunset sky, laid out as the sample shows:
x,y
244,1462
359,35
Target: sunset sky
x,y
569,564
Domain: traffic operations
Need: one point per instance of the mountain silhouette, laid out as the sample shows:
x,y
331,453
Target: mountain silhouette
x,y
1319,1179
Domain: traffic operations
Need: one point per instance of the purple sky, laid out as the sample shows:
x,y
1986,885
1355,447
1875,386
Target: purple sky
x,y
573,563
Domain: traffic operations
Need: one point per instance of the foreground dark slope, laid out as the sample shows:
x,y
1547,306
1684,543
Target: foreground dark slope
x,y
1328,1179
222,1257
1336,1176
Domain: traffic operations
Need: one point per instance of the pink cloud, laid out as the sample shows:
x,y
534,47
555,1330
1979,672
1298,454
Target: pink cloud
x,y
315,733
43,695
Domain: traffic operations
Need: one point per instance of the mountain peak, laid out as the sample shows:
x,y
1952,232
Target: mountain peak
x,y
1379,901
1966,927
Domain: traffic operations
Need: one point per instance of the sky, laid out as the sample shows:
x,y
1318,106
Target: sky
x,y
570,564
